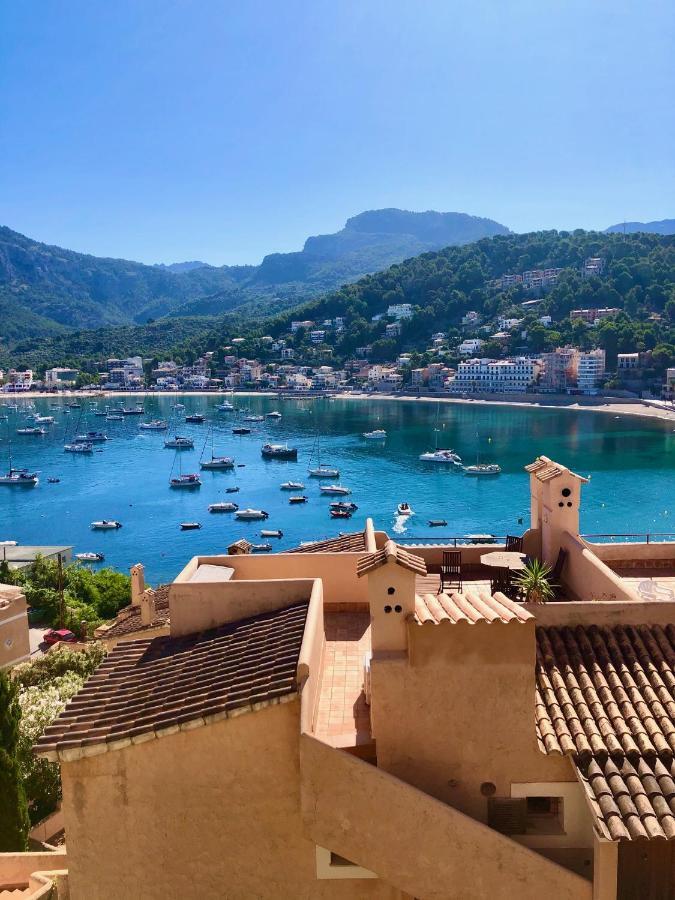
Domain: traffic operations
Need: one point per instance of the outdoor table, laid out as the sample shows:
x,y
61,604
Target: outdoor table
x,y
502,559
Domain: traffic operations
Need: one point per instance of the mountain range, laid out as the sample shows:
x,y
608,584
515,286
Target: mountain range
x,y
47,290
664,226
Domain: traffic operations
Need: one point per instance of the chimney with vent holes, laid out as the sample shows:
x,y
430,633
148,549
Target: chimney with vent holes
x,y
137,583
148,607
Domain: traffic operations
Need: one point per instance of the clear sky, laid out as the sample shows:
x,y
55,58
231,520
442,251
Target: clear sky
x,y
166,130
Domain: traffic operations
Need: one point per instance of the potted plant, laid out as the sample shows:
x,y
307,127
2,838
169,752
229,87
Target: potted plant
x,y
533,582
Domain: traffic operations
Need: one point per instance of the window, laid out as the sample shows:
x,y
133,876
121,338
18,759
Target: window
x,y
526,815
332,865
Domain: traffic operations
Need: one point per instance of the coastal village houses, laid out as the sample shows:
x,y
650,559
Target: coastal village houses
x,y
350,719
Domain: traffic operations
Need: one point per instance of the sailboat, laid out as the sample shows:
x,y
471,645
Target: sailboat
x,y
216,462
18,477
321,470
439,454
183,481
482,469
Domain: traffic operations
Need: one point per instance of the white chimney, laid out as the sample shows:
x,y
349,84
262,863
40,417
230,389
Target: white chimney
x,y
148,607
137,583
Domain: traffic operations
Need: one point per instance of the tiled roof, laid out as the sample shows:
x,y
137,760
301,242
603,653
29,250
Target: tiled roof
x,y
606,697
470,606
354,542
391,550
151,688
545,469
129,621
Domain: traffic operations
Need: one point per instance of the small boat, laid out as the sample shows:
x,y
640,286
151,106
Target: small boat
x,y
132,411
53,480
91,437
179,443
292,486
195,418
114,417
217,462
232,490
79,447
225,407
378,435
324,472
43,420
251,515
337,489
177,406
223,507
241,430
261,548
185,481
74,405
437,523
344,504
483,469
442,456
302,499
271,532
33,430
106,525
190,526
101,413
341,514
404,509
253,419
155,425
275,414
278,451
90,557
19,478
480,538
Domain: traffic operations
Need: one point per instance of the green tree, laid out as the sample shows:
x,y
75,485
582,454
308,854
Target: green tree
x,y
14,821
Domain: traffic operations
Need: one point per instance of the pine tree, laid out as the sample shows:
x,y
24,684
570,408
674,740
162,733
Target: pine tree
x,y
14,823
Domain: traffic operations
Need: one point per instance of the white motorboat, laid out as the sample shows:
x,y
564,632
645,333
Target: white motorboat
x,y
224,507
43,420
32,430
253,419
336,489
442,456
404,509
185,481
324,472
378,435
261,548
79,447
226,406
482,469
133,411
292,486
179,443
271,532
217,462
91,437
178,406
196,418
114,417
155,425
106,525
90,557
251,515
275,414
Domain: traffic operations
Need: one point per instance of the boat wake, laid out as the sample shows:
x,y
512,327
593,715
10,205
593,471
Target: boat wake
x,y
400,523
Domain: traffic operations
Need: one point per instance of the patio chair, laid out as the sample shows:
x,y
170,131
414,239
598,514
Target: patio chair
x,y
451,571
514,544
652,590
501,581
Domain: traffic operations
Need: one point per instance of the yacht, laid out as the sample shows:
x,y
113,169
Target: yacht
x,y
324,472
336,489
378,435
344,504
253,419
217,462
297,499
275,414
114,417
179,443
271,532
106,525
43,420
19,478
91,437
251,515
223,507
226,406
278,451
185,481
30,429
90,557
132,411
483,469
178,406
195,418
442,456
241,430
261,548
155,425
79,447
292,486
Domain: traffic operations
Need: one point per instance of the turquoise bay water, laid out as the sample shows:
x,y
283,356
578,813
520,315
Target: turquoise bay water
x,y
631,462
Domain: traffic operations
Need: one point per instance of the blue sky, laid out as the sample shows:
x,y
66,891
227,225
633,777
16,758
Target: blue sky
x,y
166,130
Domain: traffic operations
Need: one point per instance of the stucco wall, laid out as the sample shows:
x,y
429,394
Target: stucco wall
x,y
213,812
588,577
460,712
635,555
14,640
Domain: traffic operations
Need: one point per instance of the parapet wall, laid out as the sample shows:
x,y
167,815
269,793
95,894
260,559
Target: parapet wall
x,y
588,577
652,555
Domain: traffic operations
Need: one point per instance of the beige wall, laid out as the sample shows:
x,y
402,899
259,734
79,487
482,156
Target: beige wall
x,y
428,849
14,640
588,577
635,555
212,812
460,713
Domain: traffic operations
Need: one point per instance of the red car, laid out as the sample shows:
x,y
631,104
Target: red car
x,y
54,635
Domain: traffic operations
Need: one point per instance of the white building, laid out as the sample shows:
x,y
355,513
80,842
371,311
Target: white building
x,y
18,381
496,375
296,326
590,371
392,330
625,361
471,345
400,311
59,377
506,324
471,318
317,337
287,353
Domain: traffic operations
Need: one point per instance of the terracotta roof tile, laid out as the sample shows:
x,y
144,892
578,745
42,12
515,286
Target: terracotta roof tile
x,y
471,606
606,697
147,688
354,542
544,469
392,551
128,620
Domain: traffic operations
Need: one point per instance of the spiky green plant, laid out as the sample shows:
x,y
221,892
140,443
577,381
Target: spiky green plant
x,y
534,582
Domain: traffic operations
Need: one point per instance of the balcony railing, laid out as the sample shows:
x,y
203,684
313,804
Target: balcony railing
x,y
455,541
643,537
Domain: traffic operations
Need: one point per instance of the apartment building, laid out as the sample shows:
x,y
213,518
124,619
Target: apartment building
x,y
515,375
470,346
384,378
593,266
124,374
57,377
317,337
17,382
306,324
559,369
593,316
333,722
590,371
400,310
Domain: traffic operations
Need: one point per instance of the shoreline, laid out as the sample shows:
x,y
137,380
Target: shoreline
x,y
609,406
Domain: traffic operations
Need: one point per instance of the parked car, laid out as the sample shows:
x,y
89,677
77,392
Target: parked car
x,y
54,635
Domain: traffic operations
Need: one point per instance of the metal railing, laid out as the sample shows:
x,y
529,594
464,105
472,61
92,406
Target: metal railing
x,y
642,537
455,541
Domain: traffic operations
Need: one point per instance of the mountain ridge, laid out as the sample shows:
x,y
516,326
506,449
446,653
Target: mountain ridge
x,y
662,226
